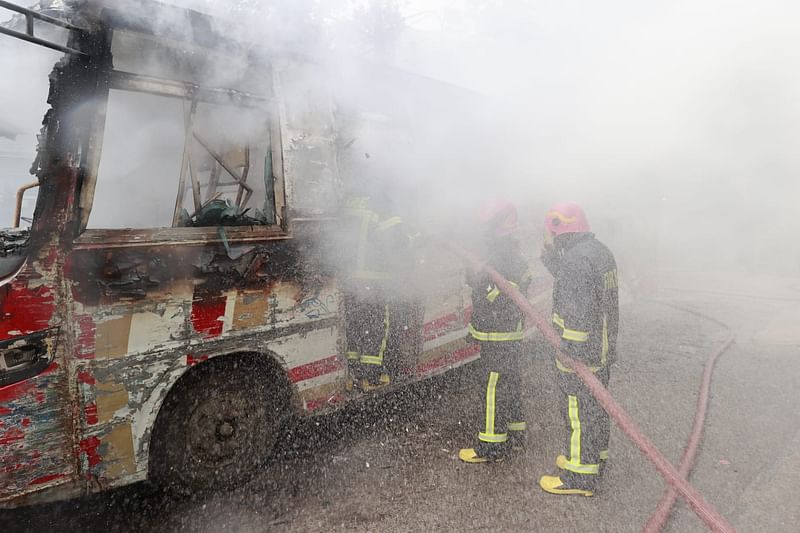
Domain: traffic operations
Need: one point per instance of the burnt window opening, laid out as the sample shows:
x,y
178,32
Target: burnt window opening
x,y
226,174
171,162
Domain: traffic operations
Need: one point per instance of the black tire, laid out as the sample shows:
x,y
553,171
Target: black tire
x,y
216,427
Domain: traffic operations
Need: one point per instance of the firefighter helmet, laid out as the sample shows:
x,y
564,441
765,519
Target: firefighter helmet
x,y
501,215
566,217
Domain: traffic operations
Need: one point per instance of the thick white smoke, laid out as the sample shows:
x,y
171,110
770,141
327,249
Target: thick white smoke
x,y
673,123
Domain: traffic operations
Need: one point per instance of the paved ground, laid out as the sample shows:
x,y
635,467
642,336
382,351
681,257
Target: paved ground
x,y
391,465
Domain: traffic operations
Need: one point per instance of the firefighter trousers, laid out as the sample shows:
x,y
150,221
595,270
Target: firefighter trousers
x,y
503,410
588,429
367,324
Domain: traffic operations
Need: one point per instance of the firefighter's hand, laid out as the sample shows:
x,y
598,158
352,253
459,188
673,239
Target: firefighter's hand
x,y
549,259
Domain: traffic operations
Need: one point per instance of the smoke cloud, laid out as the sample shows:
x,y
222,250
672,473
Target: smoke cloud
x,y
672,123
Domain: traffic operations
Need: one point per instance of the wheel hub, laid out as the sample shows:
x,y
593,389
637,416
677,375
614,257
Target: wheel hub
x,y
217,432
225,430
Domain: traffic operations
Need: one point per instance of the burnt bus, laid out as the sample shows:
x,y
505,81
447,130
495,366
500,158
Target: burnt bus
x,y
171,304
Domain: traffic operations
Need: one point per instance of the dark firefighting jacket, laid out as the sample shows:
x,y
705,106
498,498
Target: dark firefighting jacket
x,y
377,246
495,317
585,299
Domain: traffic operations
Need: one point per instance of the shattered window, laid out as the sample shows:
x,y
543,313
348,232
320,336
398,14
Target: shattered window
x,y
168,162
227,168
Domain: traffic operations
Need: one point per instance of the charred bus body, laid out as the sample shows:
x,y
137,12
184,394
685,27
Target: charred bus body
x,y
173,301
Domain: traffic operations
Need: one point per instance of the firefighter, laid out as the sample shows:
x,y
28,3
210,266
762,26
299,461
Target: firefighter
x,y
586,314
378,259
497,324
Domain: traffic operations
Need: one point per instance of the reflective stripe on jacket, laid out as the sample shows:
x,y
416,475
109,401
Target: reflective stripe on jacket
x,y
374,242
585,298
495,318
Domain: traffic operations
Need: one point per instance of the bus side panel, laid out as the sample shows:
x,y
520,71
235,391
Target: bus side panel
x,y
133,349
36,446
315,369
130,335
31,413
448,307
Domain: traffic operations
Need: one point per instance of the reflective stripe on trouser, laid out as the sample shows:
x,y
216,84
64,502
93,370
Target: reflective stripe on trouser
x,y
497,336
376,357
367,334
503,396
588,426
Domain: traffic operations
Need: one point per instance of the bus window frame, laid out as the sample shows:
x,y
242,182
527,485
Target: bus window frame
x,y
131,237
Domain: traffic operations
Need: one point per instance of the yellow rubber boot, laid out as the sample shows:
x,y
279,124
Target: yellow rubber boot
x,y
469,455
554,485
484,453
383,381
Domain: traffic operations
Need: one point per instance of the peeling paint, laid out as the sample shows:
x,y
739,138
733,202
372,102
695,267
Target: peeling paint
x,y
110,398
118,453
31,452
25,309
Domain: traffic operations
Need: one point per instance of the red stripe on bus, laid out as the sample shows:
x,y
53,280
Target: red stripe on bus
x,y
45,479
315,369
470,350
439,326
431,365
466,352
192,360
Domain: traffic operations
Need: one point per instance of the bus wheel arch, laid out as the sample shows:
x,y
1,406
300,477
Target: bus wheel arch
x,y
218,422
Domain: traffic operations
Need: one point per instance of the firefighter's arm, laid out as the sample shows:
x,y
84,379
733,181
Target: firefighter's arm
x,y
519,276
575,309
525,281
549,259
400,233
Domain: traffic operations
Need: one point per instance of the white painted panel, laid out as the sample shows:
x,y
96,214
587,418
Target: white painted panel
x,y
304,348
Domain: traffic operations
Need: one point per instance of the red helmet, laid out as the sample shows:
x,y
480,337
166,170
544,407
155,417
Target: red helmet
x,y
566,217
501,214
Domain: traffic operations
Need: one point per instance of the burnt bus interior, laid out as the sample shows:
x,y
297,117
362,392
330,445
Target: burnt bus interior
x,y
218,149
180,121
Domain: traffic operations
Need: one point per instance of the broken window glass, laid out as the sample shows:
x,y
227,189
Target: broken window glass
x,y
227,168
170,162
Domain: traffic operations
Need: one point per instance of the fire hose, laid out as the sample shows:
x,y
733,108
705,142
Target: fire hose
x,y
661,514
676,479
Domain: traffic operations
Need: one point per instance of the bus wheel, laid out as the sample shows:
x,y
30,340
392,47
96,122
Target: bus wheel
x,y
216,428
